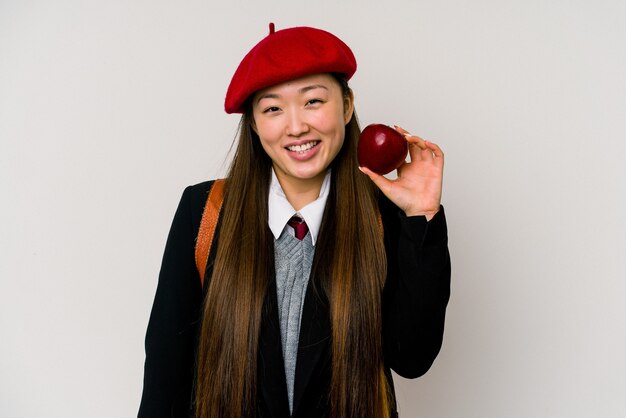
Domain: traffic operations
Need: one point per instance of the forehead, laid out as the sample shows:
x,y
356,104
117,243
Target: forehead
x,y
300,85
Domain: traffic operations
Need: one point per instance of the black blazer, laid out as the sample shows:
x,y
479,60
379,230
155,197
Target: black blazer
x,y
414,301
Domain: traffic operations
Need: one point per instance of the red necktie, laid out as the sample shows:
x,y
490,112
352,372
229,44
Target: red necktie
x,y
299,227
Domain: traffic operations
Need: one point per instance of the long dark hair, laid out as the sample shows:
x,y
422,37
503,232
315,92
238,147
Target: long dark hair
x,y
349,267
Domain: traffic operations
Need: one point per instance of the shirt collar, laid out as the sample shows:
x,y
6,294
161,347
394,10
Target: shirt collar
x,y
280,210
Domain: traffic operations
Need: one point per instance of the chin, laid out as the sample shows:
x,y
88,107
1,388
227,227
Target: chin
x,y
308,174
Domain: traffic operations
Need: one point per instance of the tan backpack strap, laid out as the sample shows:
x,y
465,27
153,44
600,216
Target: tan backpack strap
x,y
210,216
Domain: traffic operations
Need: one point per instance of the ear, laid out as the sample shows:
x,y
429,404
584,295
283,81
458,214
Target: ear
x,y
348,106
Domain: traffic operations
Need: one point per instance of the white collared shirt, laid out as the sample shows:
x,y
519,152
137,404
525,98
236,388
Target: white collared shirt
x,y
280,210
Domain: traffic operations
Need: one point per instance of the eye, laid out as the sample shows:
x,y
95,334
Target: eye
x,y
271,109
314,102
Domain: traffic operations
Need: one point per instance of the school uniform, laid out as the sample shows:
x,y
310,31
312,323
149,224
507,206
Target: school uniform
x,y
415,296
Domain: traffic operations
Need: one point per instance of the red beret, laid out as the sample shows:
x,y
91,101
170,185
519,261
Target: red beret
x,y
286,55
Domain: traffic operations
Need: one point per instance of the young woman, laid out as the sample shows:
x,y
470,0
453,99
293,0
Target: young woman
x,y
300,317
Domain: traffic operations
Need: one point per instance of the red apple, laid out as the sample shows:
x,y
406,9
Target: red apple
x,y
381,148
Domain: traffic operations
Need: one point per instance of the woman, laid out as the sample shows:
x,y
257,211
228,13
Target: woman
x,y
294,322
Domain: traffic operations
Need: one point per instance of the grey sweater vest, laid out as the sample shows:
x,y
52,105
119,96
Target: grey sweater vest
x,y
293,259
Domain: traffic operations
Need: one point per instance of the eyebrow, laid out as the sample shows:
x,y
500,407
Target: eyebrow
x,y
313,87
301,91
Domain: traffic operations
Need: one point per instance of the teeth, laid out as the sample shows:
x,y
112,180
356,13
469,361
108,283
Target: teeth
x,y
303,147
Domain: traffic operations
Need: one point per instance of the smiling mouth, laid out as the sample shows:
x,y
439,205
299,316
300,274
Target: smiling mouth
x,y
301,149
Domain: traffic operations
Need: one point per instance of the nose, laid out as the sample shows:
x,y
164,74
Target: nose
x,y
296,123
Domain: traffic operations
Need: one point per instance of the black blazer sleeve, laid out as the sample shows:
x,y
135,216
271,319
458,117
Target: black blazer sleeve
x,y
417,289
171,336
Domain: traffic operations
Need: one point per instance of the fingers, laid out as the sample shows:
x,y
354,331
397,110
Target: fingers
x,y
411,139
437,152
416,144
400,130
383,183
419,148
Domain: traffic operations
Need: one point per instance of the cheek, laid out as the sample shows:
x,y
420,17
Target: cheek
x,y
267,134
332,122
267,146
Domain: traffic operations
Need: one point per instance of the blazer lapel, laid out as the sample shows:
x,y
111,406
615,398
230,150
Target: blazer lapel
x,y
272,383
314,341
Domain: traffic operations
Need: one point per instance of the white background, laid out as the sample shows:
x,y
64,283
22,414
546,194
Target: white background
x,y
109,108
